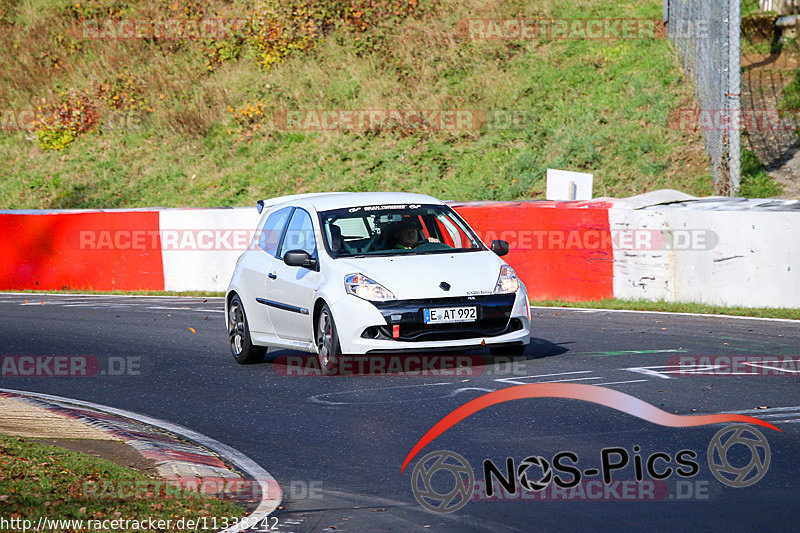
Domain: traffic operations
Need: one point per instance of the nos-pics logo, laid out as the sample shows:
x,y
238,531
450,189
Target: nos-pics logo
x,y
453,474
443,481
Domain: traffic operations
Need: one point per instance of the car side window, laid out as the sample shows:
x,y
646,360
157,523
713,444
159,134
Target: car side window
x,y
273,230
300,234
354,228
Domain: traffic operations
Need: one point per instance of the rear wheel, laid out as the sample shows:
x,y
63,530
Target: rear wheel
x,y
242,347
327,339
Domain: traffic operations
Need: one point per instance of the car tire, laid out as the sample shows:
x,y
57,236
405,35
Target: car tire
x,y
327,341
242,347
508,349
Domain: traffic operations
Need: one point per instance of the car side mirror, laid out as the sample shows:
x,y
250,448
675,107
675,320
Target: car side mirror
x,y
300,258
500,247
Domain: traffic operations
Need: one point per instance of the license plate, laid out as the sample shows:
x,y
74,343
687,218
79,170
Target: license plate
x,y
449,315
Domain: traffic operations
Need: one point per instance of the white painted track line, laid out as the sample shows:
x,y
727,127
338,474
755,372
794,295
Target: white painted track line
x,y
670,313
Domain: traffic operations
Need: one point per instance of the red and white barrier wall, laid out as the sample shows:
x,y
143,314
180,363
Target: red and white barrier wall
x,y
562,250
45,251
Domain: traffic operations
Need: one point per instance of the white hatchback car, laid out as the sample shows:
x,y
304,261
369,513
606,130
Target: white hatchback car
x,y
356,273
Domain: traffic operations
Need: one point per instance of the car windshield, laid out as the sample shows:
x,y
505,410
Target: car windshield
x,y
406,229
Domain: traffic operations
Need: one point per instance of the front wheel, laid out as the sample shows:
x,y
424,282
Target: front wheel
x,y
242,347
327,339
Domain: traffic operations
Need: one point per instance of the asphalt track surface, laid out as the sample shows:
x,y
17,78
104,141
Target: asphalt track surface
x,y
336,444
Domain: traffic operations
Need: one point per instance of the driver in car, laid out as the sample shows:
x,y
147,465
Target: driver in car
x,y
406,236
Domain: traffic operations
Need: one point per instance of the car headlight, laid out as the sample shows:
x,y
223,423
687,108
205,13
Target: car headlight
x,y
507,282
363,287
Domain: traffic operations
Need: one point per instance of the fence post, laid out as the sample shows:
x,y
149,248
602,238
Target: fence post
x,y
734,95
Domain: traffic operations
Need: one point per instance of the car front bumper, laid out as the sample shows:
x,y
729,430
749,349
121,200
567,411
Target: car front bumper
x,y
365,327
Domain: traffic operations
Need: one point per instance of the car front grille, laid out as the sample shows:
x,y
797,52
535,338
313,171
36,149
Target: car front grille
x,y
494,312
444,332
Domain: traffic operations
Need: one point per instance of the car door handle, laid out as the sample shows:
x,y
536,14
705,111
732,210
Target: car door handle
x,y
272,275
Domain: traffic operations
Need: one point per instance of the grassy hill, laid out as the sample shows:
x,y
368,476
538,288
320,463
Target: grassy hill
x,y
210,119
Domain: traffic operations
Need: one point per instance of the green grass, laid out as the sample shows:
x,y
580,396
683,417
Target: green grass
x,y
750,8
600,106
755,182
672,307
759,35
42,480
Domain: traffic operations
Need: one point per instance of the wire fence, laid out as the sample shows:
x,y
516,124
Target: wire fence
x,y
707,36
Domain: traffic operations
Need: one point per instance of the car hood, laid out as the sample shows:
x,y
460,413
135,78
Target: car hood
x,y
420,276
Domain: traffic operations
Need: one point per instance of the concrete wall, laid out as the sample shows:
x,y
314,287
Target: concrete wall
x,y
729,258
200,246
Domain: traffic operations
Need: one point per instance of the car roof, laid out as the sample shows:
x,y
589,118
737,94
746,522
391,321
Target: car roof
x,y
338,200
